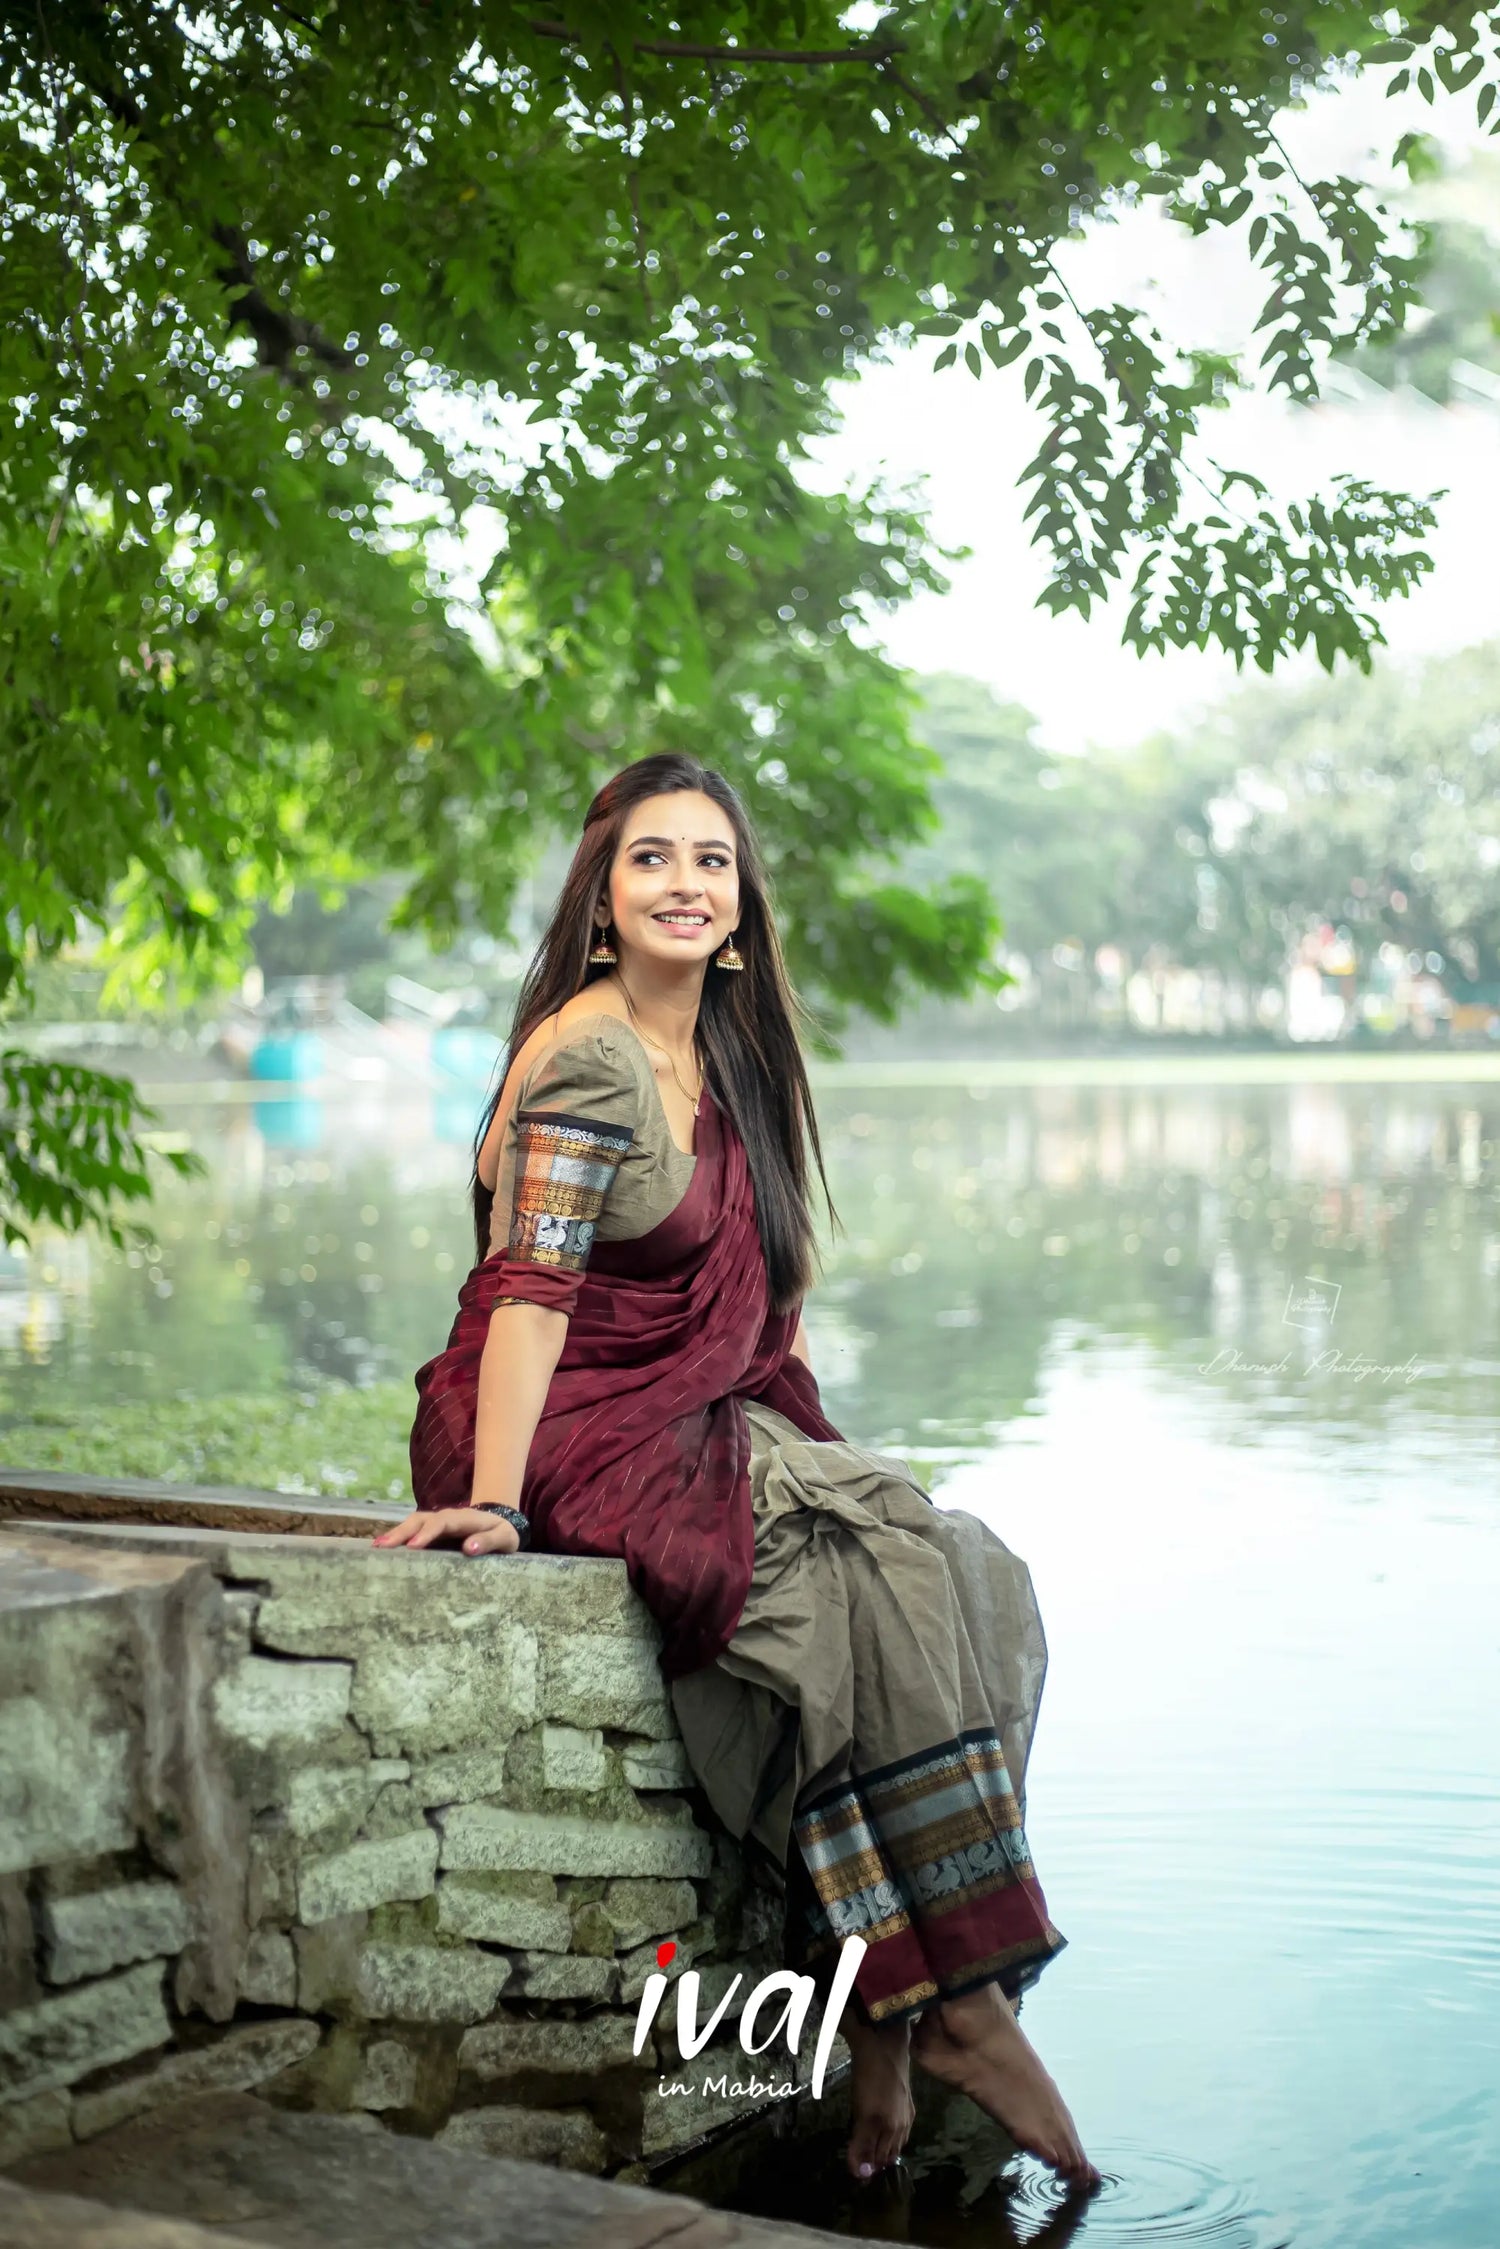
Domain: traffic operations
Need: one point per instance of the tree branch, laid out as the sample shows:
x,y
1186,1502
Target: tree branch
x,y
1151,423
627,106
930,110
73,317
278,334
689,51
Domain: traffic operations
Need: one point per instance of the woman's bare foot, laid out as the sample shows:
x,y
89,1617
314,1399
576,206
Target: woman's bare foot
x,y
975,2044
879,2092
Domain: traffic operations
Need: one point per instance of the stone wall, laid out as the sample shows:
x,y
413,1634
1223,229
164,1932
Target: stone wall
x,y
390,1834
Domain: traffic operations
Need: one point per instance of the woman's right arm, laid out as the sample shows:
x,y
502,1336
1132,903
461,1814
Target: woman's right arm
x,y
576,1118
521,1349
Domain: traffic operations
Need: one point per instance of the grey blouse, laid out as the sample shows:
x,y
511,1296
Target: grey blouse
x,y
597,1070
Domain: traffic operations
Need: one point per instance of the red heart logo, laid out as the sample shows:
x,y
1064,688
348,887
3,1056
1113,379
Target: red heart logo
x,y
665,1953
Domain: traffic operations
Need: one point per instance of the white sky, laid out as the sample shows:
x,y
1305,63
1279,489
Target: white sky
x,y
967,441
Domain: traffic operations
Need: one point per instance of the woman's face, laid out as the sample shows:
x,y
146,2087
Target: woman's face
x,y
676,855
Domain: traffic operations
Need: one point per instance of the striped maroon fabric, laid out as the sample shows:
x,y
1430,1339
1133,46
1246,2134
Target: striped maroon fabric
x,y
643,1450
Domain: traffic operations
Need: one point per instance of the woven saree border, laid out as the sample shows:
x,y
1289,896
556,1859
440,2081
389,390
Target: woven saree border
x,y
982,1737
592,1128
565,1167
926,1859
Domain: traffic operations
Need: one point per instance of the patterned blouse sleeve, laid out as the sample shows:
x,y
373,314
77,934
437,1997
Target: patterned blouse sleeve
x,y
577,1113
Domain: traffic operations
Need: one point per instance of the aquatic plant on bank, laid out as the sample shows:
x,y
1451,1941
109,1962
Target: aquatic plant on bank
x,y
331,1439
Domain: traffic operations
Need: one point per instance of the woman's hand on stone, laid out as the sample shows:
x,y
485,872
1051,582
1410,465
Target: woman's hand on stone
x,y
440,1526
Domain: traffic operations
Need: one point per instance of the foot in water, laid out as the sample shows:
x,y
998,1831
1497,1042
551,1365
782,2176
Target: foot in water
x,y
975,2044
882,2109
881,2106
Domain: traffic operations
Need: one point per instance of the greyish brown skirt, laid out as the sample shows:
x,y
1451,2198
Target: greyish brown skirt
x,y
870,1723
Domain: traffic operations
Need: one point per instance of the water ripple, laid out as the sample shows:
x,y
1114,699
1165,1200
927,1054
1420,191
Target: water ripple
x,y
1147,2197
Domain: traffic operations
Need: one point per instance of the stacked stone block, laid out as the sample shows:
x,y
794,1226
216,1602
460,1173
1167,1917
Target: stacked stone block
x,y
390,1834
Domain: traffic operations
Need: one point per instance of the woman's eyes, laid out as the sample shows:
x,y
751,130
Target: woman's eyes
x,y
641,857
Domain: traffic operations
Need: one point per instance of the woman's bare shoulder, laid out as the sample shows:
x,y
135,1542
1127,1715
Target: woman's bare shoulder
x,y
581,1009
581,1013
585,1007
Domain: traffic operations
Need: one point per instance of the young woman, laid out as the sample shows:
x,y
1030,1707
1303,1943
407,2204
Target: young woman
x,y
855,1671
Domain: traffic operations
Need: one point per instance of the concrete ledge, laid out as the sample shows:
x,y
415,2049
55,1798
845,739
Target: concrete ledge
x,y
50,1495
246,2172
66,2221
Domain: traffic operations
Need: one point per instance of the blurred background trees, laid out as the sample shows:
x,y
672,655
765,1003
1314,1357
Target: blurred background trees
x,y
1369,807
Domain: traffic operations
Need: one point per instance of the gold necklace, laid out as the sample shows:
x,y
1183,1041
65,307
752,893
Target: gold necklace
x,y
671,1065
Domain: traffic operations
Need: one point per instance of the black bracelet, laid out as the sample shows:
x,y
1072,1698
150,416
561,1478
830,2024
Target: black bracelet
x,y
511,1514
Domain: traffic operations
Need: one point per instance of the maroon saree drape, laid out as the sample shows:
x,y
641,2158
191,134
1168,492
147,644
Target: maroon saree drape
x,y
642,1451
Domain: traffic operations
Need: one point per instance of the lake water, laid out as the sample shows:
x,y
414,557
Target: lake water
x,y
1222,1362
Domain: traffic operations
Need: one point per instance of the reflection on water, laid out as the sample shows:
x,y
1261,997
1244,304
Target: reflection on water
x,y
327,1241
959,2185
1147,2197
1221,1364
1184,1221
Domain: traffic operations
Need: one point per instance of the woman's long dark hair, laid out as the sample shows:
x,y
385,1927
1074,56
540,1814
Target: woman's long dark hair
x,y
747,1021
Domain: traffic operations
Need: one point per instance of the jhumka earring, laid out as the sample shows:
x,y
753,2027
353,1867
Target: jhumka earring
x,y
603,954
729,957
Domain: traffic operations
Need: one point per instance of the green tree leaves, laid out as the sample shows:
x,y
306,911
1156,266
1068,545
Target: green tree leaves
x,y
71,1145
287,297
1270,584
